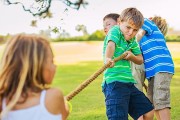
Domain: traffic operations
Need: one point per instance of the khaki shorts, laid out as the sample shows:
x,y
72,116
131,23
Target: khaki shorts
x,y
159,90
138,74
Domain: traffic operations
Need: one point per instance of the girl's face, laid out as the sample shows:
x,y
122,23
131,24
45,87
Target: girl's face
x,y
128,29
108,23
49,68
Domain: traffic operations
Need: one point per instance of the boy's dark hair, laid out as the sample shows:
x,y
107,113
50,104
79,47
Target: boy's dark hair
x,y
114,16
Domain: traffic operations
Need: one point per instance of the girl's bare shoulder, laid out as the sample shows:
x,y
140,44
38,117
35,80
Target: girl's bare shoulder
x,y
54,100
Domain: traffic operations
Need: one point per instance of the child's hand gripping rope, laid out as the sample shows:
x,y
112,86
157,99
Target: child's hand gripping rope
x,y
92,77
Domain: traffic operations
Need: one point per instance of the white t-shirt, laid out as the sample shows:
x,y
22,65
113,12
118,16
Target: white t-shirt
x,y
38,112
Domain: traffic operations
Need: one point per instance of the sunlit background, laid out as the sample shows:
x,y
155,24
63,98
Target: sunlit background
x,y
13,19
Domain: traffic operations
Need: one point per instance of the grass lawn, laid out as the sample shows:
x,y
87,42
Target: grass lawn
x,y
89,103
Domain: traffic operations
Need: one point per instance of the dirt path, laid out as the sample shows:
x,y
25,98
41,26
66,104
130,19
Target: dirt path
x,y
74,52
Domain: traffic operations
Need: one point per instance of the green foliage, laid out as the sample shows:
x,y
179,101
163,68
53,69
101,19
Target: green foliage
x,y
173,38
3,39
97,35
77,38
82,28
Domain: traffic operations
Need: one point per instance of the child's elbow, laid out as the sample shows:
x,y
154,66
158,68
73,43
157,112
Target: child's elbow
x,y
140,61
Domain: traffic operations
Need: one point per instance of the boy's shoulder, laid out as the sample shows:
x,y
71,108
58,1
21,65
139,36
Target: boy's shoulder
x,y
115,29
149,23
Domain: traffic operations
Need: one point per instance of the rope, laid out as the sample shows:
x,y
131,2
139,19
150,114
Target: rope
x,y
91,78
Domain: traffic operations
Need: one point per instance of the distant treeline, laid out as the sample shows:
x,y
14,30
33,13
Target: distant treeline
x,y
99,36
96,36
173,38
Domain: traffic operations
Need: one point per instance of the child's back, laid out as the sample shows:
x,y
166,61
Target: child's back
x,y
38,111
159,66
155,52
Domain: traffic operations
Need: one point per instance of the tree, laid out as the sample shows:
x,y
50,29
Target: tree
x,y
82,28
97,35
41,7
46,33
64,34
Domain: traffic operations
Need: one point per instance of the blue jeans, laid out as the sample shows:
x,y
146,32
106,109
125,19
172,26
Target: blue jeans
x,y
123,98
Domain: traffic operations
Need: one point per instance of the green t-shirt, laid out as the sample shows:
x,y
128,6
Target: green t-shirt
x,y
122,70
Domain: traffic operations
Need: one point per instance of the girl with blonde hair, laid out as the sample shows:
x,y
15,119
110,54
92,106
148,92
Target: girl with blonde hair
x,y
26,69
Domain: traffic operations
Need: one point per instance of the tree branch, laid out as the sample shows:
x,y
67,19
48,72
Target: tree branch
x,y
38,7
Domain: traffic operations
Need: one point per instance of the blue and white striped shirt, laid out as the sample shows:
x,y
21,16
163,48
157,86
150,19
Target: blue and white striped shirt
x,y
157,57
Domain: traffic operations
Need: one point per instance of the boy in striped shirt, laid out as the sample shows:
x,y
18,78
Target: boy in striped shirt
x,y
159,66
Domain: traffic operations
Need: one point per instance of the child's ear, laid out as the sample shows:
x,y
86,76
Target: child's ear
x,y
118,21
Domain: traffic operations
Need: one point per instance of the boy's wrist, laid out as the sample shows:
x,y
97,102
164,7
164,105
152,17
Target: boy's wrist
x,y
107,60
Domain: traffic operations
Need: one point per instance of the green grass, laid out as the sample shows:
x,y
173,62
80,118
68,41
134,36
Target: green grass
x,y
89,103
175,90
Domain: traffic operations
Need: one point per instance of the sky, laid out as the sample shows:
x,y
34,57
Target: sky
x,y
13,19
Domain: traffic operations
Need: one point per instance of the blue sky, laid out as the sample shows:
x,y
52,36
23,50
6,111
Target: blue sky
x,y
14,20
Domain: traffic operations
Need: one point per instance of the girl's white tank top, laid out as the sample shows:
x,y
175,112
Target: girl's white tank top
x,y
38,112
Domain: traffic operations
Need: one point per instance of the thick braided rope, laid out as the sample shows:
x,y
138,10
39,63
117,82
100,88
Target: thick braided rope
x,y
91,78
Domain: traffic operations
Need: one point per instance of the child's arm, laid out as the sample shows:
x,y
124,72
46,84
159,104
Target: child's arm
x,y
109,53
140,34
137,59
55,103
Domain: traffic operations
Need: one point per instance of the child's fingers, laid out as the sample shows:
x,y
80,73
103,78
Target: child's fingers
x,y
112,64
128,54
127,57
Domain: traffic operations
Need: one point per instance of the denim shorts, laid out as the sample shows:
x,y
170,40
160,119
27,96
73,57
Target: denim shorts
x,y
124,98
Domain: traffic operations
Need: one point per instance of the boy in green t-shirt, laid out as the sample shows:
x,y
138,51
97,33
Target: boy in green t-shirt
x,y
122,97
110,20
